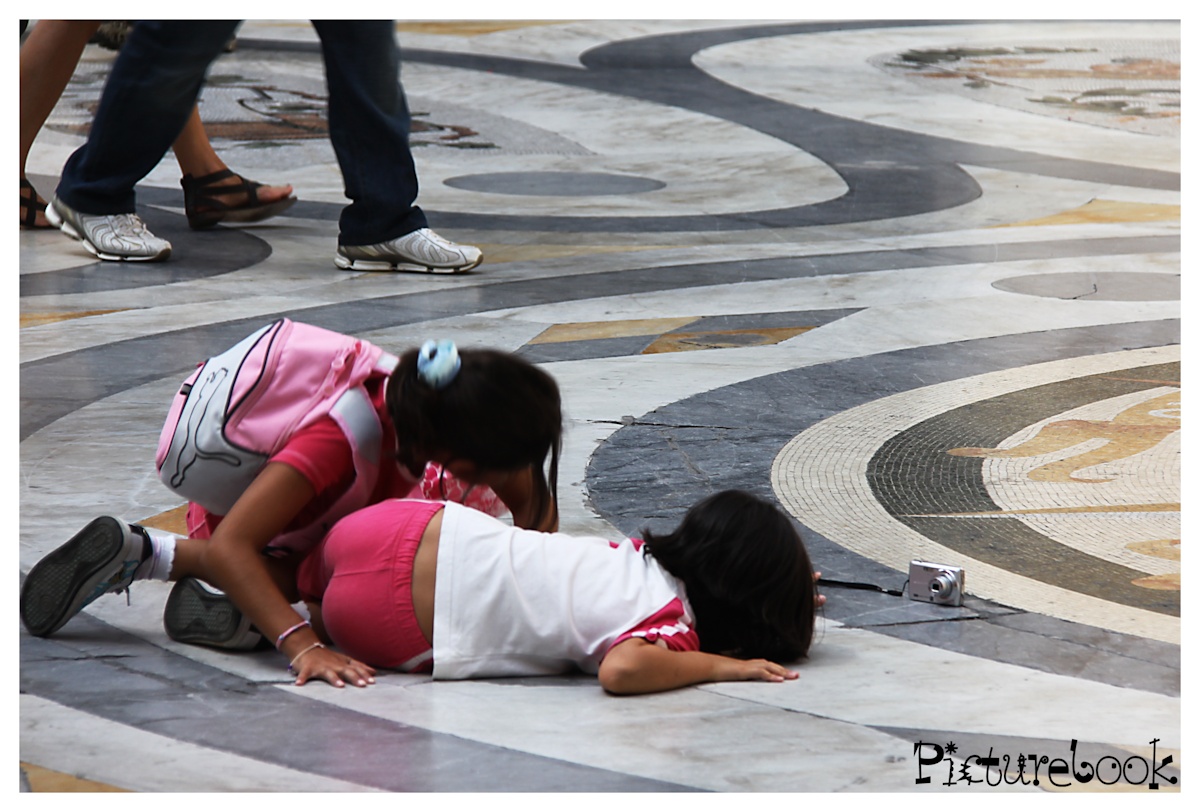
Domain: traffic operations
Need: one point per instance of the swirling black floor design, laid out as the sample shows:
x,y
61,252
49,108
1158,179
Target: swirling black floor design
x,y
698,343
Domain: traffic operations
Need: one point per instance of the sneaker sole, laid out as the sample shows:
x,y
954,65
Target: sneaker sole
x,y
347,264
195,615
58,221
62,583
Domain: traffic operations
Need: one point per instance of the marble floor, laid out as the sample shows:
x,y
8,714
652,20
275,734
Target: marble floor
x,y
918,282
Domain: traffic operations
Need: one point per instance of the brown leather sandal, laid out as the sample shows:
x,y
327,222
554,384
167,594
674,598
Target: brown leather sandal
x,y
31,206
205,208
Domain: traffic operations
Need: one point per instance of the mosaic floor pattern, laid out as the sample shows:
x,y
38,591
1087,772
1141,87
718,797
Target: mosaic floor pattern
x,y
918,282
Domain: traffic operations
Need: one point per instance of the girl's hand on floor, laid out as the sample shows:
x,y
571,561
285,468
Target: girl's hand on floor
x,y
333,667
734,670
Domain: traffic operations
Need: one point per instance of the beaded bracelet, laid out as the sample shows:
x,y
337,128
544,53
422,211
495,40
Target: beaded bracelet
x,y
292,664
279,640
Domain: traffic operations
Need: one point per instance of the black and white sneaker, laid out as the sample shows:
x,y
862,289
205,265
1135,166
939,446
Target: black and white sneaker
x,y
202,615
100,558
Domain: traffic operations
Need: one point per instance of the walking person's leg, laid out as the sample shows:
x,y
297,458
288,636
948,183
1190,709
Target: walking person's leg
x,y
382,228
48,59
147,100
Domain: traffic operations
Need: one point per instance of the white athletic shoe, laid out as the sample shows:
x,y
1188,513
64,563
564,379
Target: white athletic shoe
x,y
113,237
422,250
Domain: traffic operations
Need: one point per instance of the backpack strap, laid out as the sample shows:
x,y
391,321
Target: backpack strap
x,y
386,363
355,415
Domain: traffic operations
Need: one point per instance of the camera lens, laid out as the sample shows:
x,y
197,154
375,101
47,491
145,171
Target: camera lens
x,y
942,583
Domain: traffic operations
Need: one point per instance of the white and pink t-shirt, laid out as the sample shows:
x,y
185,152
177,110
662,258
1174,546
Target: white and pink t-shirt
x,y
513,602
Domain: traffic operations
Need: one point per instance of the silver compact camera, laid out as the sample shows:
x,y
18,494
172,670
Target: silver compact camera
x,y
936,583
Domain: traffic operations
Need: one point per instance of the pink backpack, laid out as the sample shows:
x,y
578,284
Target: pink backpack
x,y
242,406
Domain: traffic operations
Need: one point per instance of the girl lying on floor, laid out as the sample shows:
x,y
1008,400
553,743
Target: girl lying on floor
x,y
728,596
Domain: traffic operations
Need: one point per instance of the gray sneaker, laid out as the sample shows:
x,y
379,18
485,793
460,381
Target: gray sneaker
x,y
199,614
114,237
422,250
100,558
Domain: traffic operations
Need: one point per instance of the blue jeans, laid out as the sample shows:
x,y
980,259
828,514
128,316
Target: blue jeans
x,y
155,82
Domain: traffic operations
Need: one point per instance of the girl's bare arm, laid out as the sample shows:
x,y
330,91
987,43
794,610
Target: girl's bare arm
x,y
635,666
232,560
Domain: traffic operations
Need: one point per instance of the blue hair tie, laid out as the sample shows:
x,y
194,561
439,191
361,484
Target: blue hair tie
x,y
438,363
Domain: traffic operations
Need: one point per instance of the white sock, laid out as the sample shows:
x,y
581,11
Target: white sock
x,y
158,566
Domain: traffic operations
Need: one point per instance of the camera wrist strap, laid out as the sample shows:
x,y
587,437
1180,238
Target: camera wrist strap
x,y
857,585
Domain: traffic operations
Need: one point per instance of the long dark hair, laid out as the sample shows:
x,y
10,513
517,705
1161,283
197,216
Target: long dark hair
x,y
500,412
747,574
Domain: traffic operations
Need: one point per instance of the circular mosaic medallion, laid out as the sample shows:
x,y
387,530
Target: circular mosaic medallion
x,y
1055,486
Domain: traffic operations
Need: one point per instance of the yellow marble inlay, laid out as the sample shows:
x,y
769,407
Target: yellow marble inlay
x,y
44,780
667,340
1131,432
1132,70
34,319
1167,549
469,28
1160,548
590,330
722,339
172,521
1105,211
1168,582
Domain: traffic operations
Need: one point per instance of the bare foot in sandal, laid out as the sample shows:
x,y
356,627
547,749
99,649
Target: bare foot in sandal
x,y
226,197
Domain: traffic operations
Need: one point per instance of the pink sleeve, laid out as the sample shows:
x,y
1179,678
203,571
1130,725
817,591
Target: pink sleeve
x,y
670,624
321,453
